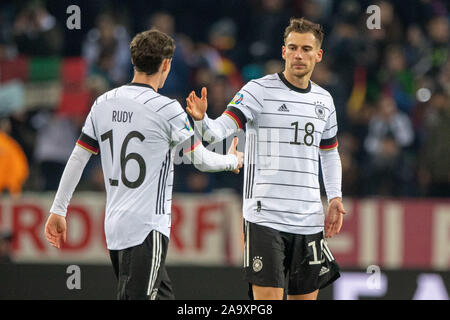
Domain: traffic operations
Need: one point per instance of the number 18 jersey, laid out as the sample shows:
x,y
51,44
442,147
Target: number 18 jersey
x,y
285,128
135,129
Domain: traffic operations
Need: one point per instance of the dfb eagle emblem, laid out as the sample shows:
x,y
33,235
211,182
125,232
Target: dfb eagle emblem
x,y
320,109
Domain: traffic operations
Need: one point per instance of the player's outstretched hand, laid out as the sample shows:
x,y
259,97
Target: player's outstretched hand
x,y
196,107
239,155
55,230
333,220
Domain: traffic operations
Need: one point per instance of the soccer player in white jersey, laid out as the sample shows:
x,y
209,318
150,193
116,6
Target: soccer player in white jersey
x,y
136,130
290,124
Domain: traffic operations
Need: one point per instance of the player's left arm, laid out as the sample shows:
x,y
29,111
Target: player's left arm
x,y
332,176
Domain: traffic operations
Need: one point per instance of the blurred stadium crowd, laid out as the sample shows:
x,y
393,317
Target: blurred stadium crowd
x,y
391,86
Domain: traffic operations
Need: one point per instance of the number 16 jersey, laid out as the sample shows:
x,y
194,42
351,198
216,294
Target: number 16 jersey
x,y
135,129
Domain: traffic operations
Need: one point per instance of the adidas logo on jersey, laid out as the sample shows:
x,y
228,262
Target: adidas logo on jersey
x,y
283,108
323,270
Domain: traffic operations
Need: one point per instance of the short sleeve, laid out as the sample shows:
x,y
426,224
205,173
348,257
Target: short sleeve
x,y
329,135
88,138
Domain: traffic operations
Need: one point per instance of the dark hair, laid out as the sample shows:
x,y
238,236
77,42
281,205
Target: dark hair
x,y
149,48
303,25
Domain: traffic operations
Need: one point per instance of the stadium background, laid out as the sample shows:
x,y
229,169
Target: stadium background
x,y
396,182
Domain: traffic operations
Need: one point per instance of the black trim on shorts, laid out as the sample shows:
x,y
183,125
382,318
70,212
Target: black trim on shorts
x,y
140,270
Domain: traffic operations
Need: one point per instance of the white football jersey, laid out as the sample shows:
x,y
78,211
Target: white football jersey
x,y
136,130
285,129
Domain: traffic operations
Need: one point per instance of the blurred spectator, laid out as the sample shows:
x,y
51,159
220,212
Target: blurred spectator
x,y
438,29
176,85
7,51
202,74
348,146
416,50
391,30
187,179
36,32
344,52
313,10
222,43
344,48
23,131
389,133
55,140
253,71
106,50
266,37
397,79
331,81
5,247
219,95
198,182
13,163
273,66
102,68
434,174
444,78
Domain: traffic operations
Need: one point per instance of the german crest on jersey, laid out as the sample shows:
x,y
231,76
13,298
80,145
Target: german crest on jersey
x,y
320,109
237,98
257,264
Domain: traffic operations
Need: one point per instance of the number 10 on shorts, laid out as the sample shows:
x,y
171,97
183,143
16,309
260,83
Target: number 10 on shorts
x,y
323,249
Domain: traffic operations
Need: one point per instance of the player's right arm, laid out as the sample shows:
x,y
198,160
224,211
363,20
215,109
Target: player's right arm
x,y
245,106
181,132
208,161
55,228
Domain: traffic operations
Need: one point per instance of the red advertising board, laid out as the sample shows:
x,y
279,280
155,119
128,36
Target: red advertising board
x,y
394,233
207,230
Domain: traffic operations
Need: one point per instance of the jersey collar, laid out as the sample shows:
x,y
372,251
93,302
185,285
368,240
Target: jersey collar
x,y
140,85
292,87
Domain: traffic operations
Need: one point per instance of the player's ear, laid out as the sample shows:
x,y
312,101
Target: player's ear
x,y
165,64
319,55
283,52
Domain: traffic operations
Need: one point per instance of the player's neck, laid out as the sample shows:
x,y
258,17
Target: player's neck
x,y
301,83
152,81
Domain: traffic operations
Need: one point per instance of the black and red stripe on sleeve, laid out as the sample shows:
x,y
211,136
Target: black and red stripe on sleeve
x,y
194,144
328,144
88,143
237,116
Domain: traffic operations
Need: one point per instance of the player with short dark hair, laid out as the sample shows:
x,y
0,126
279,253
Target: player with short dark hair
x,y
148,50
136,131
291,129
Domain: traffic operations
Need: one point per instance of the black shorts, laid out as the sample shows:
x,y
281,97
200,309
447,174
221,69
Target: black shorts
x,y
141,270
298,263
